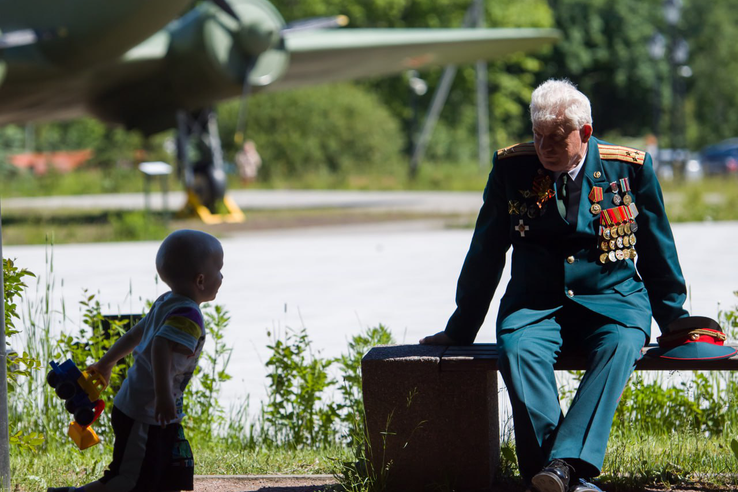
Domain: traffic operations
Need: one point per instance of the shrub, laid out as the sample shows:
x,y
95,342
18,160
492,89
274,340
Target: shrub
x,y
329,129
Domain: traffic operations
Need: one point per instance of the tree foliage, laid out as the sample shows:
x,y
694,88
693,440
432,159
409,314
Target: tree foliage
x,y
326,129
510,81
604,51
712,28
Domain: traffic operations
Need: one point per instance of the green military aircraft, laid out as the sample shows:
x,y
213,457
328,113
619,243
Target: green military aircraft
x,y
149,65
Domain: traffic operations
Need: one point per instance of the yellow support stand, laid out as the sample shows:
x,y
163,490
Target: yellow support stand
x,y
195,207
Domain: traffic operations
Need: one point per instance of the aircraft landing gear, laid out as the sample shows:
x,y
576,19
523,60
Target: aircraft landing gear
x,y
201,168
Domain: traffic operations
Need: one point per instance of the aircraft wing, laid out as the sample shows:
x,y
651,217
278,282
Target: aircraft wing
x,y
328,56
164,73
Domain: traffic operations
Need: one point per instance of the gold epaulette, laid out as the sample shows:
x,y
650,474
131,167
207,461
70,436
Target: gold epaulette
x,y
618,153
518,149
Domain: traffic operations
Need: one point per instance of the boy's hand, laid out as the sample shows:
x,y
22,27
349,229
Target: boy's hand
x,y
104,370
165,410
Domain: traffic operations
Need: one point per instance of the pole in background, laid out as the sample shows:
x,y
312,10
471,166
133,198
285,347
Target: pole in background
x,y
439,99
440,95
482,98
4,432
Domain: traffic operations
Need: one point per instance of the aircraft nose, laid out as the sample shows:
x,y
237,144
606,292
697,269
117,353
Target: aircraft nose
x,y
255,39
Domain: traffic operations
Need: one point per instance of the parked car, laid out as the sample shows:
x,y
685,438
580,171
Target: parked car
x,y
721,158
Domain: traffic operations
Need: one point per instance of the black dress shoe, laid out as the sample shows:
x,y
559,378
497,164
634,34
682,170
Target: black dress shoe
x,y
554,477
582,485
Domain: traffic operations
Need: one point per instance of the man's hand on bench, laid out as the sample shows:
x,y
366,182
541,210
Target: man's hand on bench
x,y
439,338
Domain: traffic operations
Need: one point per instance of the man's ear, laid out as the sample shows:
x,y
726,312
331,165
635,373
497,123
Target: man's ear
x,y
586,133
200,281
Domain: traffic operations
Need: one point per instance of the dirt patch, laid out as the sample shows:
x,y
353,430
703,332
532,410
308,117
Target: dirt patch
x,y
291,219
285,483
326,483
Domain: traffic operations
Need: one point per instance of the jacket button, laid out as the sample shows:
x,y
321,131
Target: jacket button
x,y
570,260
570,293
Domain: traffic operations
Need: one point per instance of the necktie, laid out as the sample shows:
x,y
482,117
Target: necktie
x,y
562,197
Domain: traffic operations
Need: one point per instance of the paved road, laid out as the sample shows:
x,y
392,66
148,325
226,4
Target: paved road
x,y
408,201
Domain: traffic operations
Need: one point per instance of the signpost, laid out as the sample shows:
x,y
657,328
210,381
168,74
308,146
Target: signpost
x,y
151,169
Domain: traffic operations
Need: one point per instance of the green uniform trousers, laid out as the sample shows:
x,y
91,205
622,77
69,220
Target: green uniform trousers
x,y
527,356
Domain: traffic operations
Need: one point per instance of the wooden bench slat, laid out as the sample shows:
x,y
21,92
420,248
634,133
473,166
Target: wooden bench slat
x,y
484,356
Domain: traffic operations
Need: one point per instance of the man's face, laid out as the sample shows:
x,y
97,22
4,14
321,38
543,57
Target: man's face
x,y
560,147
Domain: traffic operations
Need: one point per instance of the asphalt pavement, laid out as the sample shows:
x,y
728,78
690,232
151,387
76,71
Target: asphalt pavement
x,y
395,201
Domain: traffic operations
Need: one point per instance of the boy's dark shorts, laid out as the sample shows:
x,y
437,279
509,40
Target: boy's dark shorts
x,y
148,458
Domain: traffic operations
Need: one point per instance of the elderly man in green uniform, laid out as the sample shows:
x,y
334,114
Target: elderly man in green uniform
x,y
579,214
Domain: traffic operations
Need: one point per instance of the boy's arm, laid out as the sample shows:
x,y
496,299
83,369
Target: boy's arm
x,y
161,357
122,347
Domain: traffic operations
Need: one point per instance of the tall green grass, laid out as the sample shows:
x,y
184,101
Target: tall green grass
x,y
667,431
299,429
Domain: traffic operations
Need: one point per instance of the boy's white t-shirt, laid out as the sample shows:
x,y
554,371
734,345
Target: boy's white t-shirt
x,y
175,318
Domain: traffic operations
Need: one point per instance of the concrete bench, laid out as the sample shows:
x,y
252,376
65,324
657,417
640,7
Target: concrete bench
x,y
432,411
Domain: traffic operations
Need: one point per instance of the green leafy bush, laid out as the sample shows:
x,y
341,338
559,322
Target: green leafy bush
x,y
203,413
18,365
295,413
329,129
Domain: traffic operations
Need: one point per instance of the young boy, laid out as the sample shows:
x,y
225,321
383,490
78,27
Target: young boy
x,y
150,451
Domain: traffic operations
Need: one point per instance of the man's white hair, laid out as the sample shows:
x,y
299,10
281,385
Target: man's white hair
x,y
560,101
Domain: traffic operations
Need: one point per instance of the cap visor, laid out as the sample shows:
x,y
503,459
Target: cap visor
x,y
694,351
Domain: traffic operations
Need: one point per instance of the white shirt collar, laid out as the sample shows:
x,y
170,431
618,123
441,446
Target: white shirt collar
x,y
573,173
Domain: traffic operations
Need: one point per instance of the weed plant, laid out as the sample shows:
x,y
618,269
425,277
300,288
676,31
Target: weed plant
x,y
667,431
299,429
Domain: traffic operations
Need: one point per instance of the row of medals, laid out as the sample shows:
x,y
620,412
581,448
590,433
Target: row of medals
x,y
617,242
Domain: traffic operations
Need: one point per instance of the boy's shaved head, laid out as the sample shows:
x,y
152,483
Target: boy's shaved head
x,y
182,255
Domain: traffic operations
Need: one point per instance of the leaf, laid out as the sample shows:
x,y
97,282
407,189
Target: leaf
x,y
734,447
508,454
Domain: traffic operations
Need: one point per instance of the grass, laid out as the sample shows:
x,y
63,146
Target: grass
x,y
65,465
709,199
640,460
634,461
637,461
69,226
431,176
220,460
79,182
463,176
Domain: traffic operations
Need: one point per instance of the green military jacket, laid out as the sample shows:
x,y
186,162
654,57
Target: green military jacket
x,y
555,262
